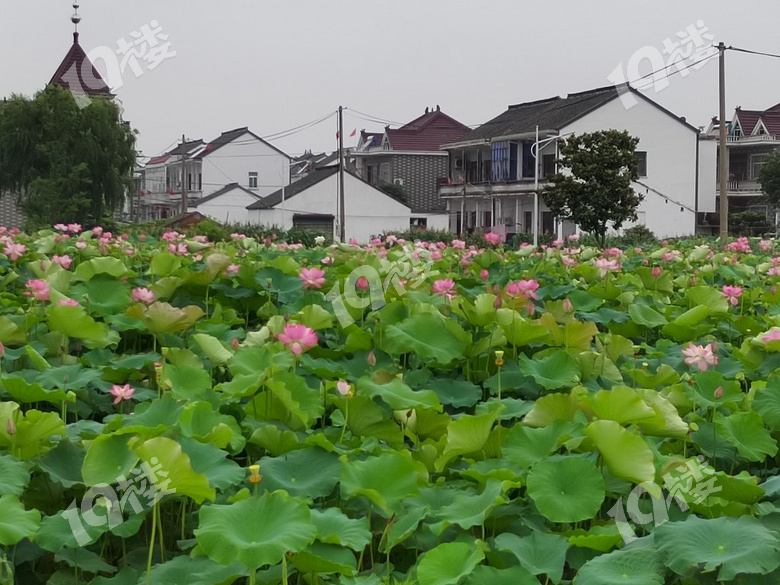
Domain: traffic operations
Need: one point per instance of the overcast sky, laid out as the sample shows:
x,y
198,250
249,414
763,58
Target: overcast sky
x,y
275,65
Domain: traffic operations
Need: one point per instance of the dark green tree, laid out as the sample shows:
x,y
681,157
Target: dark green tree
x,y
595,189
64,163
395,191
769,177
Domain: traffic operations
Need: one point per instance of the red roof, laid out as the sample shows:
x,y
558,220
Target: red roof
x,y
158,160
748,119
426,133
71,73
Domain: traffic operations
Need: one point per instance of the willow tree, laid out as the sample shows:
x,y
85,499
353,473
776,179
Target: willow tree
x,y
595,188
64,163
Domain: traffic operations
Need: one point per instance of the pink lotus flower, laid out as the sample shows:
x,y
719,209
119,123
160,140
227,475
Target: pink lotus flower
x,y
121,393
14,251
765,245
312,278
74,227
574,237
97,231
484,274
232,269
60,227
459,244
298,338
732,293
773,335
605,266
700,356
344,388
68,303
523,288
656,272
64,261
444,287
143,295
492,238
39,290
362,283
327,261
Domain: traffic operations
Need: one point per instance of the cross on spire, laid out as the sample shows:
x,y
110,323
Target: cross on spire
x,y
75,19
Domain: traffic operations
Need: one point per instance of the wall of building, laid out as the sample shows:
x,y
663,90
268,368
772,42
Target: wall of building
x,y
368,211
233,162
671,162
230,208
708,175
419,173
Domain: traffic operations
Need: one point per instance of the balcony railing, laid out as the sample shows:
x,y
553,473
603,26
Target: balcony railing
x,y
744,187
751,138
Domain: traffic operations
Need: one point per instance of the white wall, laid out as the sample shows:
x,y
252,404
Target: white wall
x,y
368,211
233,162
671,161
708,175
228,208
436,221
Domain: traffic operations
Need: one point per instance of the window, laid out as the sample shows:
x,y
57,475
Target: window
x,y
486,218
253,180
548,165
528,161
371,175
200,181
756,162
529,222
642,167
500,161
419,223
189,181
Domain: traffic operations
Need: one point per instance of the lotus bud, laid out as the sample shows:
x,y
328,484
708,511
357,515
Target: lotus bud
x,y
10,427
2,349
718,393
567,306
371,358
498,302
234,343
343,387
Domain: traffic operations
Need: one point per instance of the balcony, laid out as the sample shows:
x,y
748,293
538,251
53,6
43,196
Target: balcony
x,y
746,188
489,189
758,139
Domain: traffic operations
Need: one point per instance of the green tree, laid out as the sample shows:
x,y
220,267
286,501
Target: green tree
x,y
64,163
595,188
769,177
395,191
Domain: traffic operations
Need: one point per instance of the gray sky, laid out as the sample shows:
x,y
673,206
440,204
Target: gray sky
x,y
274,65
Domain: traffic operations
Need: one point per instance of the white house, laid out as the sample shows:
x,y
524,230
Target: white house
x,y
237,156
493,169
313,202
228,205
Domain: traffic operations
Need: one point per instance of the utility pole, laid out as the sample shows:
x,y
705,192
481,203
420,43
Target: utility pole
x,y
183,175
342,213
723,161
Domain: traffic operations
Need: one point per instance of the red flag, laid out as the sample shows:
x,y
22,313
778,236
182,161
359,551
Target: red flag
x,y
338,134
354,133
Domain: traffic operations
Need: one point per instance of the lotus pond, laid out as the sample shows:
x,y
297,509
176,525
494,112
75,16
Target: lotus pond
x,y
176,411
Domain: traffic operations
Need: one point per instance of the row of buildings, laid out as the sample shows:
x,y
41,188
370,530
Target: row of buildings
x,y
437,173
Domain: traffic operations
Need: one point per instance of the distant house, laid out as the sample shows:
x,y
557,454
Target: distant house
x,y
410,157
313,203
308,162
237,157
751,138
493,168
228,205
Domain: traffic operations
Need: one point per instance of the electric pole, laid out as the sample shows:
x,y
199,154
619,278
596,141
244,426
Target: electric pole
x,y
183,175
723,161
342,213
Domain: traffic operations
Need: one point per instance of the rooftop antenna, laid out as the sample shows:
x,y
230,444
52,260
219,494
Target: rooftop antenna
x,y
75,19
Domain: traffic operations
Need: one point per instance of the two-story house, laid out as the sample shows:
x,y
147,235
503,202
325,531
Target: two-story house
x,y
752,137
497,176
222,177
411,159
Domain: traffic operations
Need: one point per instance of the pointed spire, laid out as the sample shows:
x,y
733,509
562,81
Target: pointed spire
x,y
75,19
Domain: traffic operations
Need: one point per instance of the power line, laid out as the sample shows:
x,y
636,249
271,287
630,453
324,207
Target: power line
x,y
753,52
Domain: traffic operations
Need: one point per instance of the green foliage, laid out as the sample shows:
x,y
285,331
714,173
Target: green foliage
x,y
769,178
64,163
597,189
395,191
748,223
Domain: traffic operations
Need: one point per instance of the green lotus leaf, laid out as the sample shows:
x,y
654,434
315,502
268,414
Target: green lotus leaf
x,y
14,476
730,546
425,335
74,322
767,403
524,445
325,559
164,263
386,480
708,296
552,407
600,538
397,395
211,461
185,381
316,317
16,523
541,553
405,524
213,348
85,560
627,455
335,527
195,571
622,404
469,509
636,566
104,295
746,431
255,532
466,435
457,393
448,563
646,316
35,431
201,421
63,464
164,318
175,465
108,458
558,370
569,489
516,575
113,267
305,473
520,331
25,393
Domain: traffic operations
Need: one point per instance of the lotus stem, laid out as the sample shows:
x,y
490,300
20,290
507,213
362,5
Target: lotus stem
x,y
151,544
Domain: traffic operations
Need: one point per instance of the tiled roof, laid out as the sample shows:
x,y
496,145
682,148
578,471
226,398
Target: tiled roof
x,y
70,73
426,133
293,189
226,189
549,114
748,119
158,160
230,136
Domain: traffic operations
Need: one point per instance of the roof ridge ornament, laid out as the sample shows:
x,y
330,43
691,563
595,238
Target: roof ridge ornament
x,y
75,19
